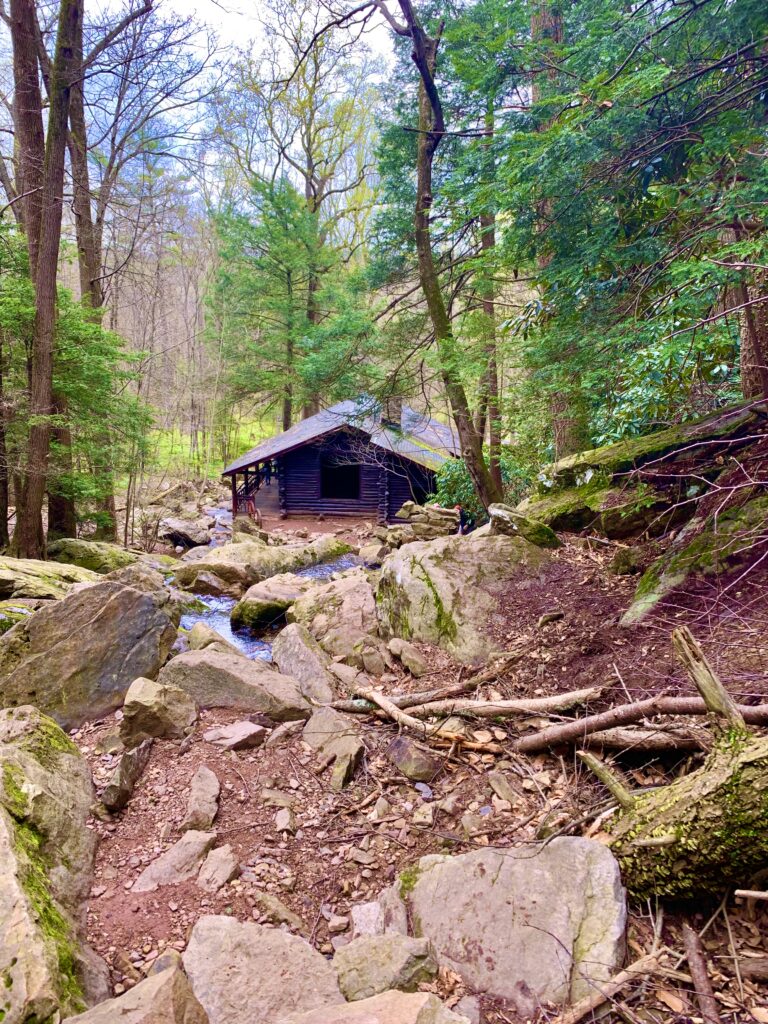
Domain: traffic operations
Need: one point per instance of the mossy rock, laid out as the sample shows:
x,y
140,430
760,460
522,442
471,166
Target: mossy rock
x,y
507,522
98,556
32,578
612,512
12,612
719,547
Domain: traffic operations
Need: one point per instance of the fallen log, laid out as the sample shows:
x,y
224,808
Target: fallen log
x,y
627,714
605,991
505,708
648,740
708,829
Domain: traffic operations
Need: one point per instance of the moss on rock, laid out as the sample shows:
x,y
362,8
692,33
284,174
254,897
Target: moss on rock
x,y
98,556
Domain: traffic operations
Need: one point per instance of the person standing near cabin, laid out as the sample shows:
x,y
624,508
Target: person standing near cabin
x,y
466,520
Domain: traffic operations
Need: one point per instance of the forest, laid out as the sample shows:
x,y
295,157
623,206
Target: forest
x,y
383,511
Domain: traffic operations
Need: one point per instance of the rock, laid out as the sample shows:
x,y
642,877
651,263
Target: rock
x,y
283,732
383,916
163,998
217,679
243,973
502,787
387,1008
168,958
177,864
412,761
232,568
469,1007
266,603
186,532
76,658
505,521
285,820
97,556
155,709
378,963
219,867
203,801
335,738
409,655
339,614
46,864
549,920
296,653
130,767
374,554
447,591
276,911
202,635
23,578
237,736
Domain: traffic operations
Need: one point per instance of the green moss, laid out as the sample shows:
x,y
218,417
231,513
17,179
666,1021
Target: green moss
x,y
258,614
408,878
446,626
47,741
14,797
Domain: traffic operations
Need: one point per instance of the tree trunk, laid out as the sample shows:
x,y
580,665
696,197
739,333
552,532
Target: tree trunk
x,y
431,130
4,495
28,538
29,140
62,518
754,338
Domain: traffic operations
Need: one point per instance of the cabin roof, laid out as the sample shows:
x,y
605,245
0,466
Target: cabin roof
x,y
420,439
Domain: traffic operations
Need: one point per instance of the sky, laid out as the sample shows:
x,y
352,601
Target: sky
x,y
236,22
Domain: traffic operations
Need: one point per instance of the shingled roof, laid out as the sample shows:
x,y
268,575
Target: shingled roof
x,y
419,439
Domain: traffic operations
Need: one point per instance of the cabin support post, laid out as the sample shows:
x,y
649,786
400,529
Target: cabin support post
x,y
233,479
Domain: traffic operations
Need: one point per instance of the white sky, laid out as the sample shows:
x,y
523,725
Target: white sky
x,y
236,22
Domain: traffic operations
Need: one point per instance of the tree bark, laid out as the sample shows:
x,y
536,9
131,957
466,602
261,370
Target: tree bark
x,y
754,339
431,131
44,237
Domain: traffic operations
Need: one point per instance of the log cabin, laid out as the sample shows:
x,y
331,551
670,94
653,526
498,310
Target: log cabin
x,y
356,458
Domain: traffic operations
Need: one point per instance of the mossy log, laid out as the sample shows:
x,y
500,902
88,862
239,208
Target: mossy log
x,y
708,829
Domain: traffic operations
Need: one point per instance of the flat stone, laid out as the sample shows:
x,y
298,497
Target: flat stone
x,y
182,861
378,963
335,737
387,1008
549,920
412,761
219,867
285,820
278,912
220,679
202,635
203,801
243,973
154,709
130,767
502,787
163,998
296,653
386,915
237,736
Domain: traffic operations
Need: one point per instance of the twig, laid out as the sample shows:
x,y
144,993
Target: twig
x,y
751,894
612,782
697,962
719,702
603,993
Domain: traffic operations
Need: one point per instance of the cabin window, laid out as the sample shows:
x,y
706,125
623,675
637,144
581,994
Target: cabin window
x,y
339,480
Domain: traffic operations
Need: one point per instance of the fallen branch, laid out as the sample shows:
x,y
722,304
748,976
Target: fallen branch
x,y
504,708
697,963
646,740
720,704
627,714
604,993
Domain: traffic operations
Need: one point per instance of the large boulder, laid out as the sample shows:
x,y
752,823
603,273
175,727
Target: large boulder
x,y
243,973
447,591
296,652
186,533
266,603
98,556
154,709
29,578
220,679
340,614
163,998
505,521
387,1008
46,862
75,659
541,924
232,568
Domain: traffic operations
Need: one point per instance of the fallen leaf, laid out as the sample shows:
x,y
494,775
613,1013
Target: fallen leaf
x,y
671,1000
760,1013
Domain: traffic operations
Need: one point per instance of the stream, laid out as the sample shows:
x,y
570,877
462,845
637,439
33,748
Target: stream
x,y
217,609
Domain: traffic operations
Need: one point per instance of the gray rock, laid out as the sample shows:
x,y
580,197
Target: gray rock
x,y
218,679
469,1007
243,973
387,1008
378,963
535,925
27,578
412,761
168,958
507,522
98,556
219,867
186,532
237,736
163,998
266,603
182,861
76,657
285,820
339,614
374,554
277,912
203,801
297,653
409,655
336,739
202,635
156,709
386,915
283,732
447,591
130,767
46,863
502,787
